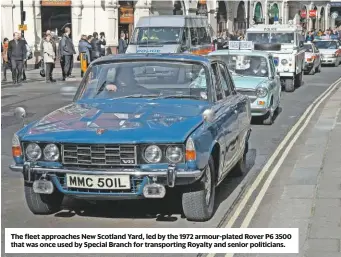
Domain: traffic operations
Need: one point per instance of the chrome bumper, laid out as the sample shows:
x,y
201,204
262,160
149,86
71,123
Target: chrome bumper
x,y
170,174
329,60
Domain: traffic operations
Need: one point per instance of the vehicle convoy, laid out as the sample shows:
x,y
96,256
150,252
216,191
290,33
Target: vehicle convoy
x,y
330,51
285,41
172,34
313,61
254,75
138,125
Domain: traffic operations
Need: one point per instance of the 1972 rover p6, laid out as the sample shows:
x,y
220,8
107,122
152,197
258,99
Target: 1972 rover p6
x,y
138,125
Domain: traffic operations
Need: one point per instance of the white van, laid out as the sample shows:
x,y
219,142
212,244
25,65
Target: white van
x,y
172,34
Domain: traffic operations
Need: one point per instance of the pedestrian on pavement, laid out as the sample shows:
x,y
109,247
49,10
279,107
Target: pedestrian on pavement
x,y
29,56
122,44
17,56
90,37
5,64
49,58
66,52
103,43
84,47
310,37
95,47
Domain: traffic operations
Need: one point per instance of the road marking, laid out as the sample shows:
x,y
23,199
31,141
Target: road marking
x,y
261,175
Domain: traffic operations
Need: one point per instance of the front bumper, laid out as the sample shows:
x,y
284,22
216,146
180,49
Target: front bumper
x,y
329,60
170,177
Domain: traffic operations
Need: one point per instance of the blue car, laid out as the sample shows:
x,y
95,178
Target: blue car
x,y
138,125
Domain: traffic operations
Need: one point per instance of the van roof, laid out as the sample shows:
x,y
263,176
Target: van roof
x,y
274,28
168,20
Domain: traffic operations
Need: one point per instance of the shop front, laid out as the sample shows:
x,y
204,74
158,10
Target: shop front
x,y
202,8
126,18
273,14
303,17
258,14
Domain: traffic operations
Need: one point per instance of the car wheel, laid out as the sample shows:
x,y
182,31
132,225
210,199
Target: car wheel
x,y
312,71
198,203
268,118
42,204
289,85
240,167
298,79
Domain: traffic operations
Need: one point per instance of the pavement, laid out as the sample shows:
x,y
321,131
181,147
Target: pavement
x,y
286,200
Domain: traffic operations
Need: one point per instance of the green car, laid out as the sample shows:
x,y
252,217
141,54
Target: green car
x,y
254,75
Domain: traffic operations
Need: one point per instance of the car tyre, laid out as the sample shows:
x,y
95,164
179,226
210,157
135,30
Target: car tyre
x,y
196,204
268,118
41,204
298,79
289,85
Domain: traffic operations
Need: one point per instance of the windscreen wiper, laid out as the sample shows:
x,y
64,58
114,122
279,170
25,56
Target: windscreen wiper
x,y
180,96
137,96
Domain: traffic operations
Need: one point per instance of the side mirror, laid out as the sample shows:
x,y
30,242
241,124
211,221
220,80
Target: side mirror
x,y
208,115
20,113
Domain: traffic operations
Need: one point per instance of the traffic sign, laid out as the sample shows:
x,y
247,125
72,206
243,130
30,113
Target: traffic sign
x,y
335,15
22,27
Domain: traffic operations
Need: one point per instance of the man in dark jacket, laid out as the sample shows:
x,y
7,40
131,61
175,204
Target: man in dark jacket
x,y
96,47
66,52
17,56
122,44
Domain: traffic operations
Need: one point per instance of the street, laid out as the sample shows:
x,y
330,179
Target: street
x,y
40,99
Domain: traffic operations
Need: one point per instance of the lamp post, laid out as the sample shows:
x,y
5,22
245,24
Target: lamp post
x,y
22,17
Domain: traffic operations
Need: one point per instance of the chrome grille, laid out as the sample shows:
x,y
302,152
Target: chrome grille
x,y
99,155
248,92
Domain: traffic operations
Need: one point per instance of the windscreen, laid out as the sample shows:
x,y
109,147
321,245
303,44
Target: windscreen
x,y
246,65
308,48
145,79
157,35
271,38
326,44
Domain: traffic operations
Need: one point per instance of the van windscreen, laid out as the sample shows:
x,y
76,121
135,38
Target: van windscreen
x,y
157,35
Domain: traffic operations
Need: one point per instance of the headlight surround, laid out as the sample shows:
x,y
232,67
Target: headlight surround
x,y
152,154
33,152
51,152
174,154
261,92
284,61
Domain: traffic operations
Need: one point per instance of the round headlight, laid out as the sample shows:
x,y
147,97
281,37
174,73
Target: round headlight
x,y
51,152
174,154
284,61
153,154
261,92
33,152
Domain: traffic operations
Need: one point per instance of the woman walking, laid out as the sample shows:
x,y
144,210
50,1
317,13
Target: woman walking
x,y
49,59
84,47
5,63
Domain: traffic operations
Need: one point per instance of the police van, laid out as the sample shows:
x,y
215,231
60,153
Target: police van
x,y
172,34
286,43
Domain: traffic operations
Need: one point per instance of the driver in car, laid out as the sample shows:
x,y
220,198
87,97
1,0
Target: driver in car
x,y
258,66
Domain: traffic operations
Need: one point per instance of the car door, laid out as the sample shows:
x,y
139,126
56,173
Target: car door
x,y
275,82
232,125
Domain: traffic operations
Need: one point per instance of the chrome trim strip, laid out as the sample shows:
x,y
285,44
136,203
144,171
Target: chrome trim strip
x,y
133,172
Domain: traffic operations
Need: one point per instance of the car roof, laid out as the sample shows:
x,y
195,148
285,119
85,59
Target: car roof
x,y
161,56
241,52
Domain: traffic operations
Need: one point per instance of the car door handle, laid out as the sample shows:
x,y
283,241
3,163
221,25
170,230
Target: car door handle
x,y
235,111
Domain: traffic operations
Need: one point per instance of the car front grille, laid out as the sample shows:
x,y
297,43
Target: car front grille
x,y
251,93
99,155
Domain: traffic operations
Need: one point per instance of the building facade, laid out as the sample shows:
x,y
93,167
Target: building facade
x,y
112,16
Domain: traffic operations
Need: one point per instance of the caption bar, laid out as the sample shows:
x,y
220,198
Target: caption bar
x,y
151,240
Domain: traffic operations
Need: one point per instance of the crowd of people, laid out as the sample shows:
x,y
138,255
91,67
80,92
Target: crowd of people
x,y
327,34
16,52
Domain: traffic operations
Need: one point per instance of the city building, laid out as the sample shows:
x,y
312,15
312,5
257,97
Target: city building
x,y
112,16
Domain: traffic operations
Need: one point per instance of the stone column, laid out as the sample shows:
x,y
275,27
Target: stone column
x,y
142,8
266,12
76,16
212,19
7,18
37,27
327,17
112,32
285,18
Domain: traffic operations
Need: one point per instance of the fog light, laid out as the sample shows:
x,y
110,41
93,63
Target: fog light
x,y
154,191
43,186
261,102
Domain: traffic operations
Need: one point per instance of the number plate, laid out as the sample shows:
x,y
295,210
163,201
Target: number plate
x,y
98,181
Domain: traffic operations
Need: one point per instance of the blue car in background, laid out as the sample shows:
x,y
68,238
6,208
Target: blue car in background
x,y
254,75
138,125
